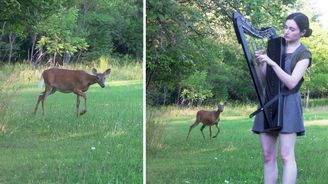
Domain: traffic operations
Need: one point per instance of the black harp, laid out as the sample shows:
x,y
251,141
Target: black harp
x,y
268,92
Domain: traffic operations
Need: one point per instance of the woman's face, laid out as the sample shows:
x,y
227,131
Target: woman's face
x,y
291,31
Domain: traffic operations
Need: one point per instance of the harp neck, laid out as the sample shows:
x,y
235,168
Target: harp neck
x,y
248,28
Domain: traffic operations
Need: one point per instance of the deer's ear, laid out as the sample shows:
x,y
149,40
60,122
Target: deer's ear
x,y
107,72
94,71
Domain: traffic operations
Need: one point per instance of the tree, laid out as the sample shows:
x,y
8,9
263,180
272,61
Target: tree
x,y
316,78
188,37
113,27
64,30
60,34
195,89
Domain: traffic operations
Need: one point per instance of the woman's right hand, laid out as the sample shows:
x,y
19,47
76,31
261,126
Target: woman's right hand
x,y
262,57
259,59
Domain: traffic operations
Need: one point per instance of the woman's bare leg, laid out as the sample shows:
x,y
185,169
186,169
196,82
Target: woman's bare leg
x,y
287,144
269,151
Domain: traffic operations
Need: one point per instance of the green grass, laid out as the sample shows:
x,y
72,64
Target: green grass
x,y
234,157
102,146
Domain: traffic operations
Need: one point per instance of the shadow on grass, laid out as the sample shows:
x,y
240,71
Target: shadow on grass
x,y
102,146
234,156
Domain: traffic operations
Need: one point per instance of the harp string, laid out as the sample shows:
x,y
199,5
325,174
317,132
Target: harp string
x,y
258,40
257,45
248,37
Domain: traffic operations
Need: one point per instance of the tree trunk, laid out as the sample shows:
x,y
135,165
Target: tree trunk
x,y
12,38
28,55
54,61
40,54
178,97
164,95
307,97
138,55
66,58
78,56
2,32
149,75
31,56
85,9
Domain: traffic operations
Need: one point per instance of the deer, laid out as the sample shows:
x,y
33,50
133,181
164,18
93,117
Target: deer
x,y
208,118
70,81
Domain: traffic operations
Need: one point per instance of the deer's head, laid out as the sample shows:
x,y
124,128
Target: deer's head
x,y
221,107
101,77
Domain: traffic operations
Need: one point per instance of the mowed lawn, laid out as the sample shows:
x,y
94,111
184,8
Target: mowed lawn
x,y
104,145
235,156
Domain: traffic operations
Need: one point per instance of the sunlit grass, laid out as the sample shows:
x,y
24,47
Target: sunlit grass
x,y
322,122
25,73
234,156
102,146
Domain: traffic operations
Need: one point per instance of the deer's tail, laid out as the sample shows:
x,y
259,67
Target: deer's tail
x,y
41,82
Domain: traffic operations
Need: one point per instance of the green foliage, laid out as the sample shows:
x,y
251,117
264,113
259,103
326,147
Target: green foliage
x,y
318,102
60,33
317,78
195,88
174,49
114,27
185,37
74,30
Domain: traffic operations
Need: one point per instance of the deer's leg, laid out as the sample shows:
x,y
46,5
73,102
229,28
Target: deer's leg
x,y
80,93
210,132
218,130
85,104
48,91
191,127
38,102
42,103
77,105
42,97
201,130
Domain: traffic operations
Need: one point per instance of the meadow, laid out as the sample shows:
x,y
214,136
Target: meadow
x,y
233,157
105,145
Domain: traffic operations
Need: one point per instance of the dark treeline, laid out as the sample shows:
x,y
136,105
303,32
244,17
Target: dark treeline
x,y
193,56
64,31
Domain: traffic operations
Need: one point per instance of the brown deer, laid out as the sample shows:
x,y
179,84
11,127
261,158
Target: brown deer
x,y
208,118
70,81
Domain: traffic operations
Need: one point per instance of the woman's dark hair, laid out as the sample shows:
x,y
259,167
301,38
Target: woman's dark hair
x,y
302,22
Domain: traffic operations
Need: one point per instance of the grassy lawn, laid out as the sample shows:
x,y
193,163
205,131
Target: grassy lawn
x,y
102,146
234,156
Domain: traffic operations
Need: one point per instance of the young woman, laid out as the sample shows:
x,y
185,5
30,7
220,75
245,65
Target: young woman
x,y
296,26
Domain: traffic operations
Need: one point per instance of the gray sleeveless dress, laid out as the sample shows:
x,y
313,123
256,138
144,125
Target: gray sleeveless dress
x,y
293,114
